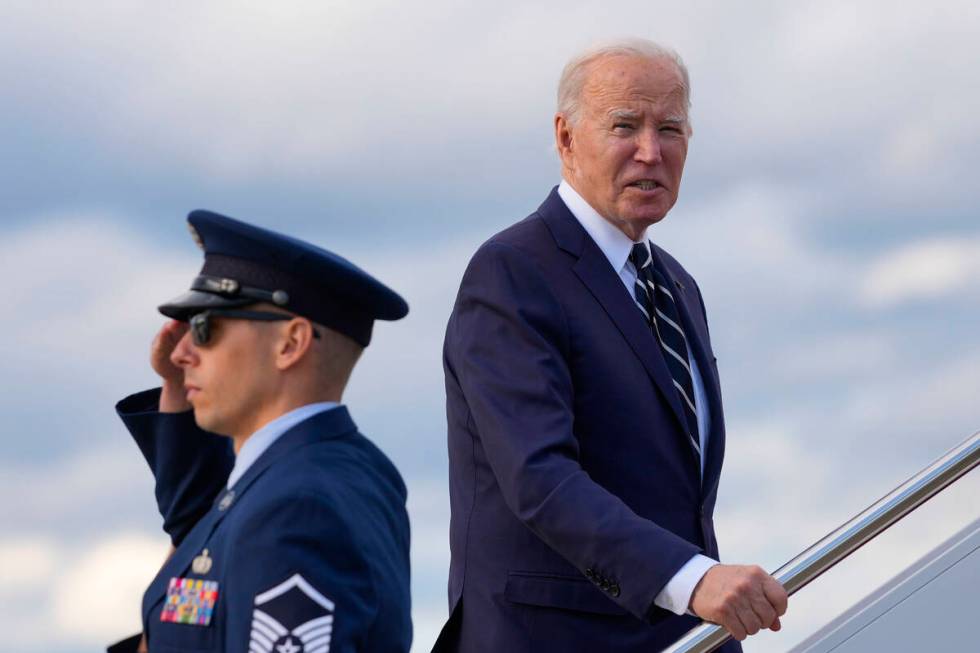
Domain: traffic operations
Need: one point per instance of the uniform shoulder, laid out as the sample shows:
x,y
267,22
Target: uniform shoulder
x,y
338,480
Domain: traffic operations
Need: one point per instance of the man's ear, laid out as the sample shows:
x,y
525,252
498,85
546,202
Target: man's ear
x,y
295,340
563,139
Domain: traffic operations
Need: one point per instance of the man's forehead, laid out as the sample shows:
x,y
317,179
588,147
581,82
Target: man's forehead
x,y
634,104
624,80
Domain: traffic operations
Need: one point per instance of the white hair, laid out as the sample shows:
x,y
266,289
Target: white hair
x,y
575,74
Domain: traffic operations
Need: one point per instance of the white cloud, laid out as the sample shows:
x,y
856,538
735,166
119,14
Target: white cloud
x,y
315,90
427,621
428,280
842,357
428,507
90,288
933,268
771,470
117,571
757,268
23,560
82,594
78,481
925,408
428,510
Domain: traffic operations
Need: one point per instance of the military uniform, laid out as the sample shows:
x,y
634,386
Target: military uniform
x,y
307,551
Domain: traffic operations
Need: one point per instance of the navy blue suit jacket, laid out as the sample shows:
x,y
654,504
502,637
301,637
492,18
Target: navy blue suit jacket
x,y
321,502
575,494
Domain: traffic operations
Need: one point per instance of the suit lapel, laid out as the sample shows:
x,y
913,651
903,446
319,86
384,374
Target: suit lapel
x,y
322,426
593,269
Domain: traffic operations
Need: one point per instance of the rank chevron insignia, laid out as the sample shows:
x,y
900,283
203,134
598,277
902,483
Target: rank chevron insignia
x,y
292,617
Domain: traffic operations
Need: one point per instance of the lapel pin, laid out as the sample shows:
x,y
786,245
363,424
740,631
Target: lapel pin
x,y
226,500
202,563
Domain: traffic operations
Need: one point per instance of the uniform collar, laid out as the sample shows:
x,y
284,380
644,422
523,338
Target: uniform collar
x,y
262,439
614,244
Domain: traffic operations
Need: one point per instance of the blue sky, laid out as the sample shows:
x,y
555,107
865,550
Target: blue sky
x,y
829,212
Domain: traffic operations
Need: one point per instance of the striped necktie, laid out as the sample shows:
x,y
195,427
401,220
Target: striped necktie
x,y
654,298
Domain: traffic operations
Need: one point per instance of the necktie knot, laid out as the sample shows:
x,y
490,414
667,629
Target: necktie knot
x,y
640,256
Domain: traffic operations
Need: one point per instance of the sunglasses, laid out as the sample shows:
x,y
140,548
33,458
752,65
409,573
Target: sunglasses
x,y
200,323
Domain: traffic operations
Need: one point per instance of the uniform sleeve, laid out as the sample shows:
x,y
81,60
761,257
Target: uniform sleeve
x,y
510,347
299,577
190,465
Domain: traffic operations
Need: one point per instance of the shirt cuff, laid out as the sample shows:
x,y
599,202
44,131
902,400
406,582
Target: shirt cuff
x,y
676,594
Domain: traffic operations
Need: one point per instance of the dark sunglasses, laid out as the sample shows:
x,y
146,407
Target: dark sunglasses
x,y
200,323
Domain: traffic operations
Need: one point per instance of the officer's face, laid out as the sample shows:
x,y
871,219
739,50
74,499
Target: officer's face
x,y
625,152
230,381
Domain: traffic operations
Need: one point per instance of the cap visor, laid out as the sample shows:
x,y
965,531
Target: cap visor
x,y
194,301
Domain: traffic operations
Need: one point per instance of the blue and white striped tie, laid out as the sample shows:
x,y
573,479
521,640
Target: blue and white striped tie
x,y
654,298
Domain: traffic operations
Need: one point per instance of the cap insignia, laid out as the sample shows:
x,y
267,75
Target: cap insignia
x,y
224,286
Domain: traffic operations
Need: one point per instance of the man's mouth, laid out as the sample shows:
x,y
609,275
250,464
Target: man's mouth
x,y
645,184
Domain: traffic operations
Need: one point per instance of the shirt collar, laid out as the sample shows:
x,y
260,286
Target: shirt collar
x,y
262,439
615,245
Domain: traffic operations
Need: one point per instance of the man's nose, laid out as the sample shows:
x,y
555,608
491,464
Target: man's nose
x,y
185,352
648,147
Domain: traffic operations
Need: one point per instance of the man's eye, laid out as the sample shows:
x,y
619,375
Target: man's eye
x,y
623,126
670,129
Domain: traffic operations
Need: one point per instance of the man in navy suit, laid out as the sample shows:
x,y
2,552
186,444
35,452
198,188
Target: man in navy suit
x,y
586,432
289,526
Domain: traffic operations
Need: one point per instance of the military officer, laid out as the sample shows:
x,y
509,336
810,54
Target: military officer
x,y
289,527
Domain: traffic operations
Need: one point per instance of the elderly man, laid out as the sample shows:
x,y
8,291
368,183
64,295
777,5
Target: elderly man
x,y
295,537
585,421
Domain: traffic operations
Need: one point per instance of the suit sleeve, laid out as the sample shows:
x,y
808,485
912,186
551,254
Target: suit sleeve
x,y
509,347
300,572
190,466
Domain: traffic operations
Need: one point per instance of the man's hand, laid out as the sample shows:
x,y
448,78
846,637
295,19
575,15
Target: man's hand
x,y
172,397
744,599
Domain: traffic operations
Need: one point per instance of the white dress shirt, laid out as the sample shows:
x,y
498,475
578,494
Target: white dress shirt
x,y
676,594
262,439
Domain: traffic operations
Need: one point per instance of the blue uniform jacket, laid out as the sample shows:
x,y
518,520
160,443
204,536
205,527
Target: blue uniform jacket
x,y
309,550
575,493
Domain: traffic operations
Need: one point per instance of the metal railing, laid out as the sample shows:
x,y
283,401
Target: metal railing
x,y
842,542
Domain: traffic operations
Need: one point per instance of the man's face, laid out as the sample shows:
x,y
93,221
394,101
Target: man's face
x,y
230,380
625,153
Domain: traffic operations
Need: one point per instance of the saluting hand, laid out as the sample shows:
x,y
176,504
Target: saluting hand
x,y
172,397
742,598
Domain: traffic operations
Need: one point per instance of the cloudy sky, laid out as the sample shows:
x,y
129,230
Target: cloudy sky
x,y
829,212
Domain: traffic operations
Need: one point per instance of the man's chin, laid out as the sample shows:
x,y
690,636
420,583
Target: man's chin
x,y
645,216
208,422
634,223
